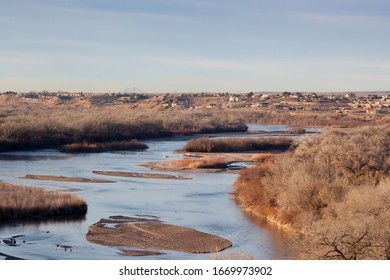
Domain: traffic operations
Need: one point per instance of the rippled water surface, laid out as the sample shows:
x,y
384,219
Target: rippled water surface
x,y
202,203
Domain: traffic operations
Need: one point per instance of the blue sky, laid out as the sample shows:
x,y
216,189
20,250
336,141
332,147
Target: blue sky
x,y
194,45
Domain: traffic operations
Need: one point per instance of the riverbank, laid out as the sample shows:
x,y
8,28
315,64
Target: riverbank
x,y
332,199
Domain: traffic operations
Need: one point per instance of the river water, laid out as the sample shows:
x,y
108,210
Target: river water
x,y
202,203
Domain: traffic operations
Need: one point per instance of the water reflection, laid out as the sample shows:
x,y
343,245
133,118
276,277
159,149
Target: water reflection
x,y
30,157
278,236
37,223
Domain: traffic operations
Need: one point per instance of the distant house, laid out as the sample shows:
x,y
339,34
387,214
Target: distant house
x,y
234,99
350,95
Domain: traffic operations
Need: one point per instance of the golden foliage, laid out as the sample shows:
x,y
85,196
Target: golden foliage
x,y
208,145
201,163
333,189
28,202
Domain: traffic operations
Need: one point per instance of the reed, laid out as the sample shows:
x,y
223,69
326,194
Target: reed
x,y
201,163
86,147
28,202
297,130
225,145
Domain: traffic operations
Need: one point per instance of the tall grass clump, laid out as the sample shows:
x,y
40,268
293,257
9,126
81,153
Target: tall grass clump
x,y
297,130
332,191
201,163
27,202
103,147
221,145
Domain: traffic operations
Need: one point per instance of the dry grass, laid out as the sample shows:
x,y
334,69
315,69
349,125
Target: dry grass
x,y
103,147
263,158
226,145
297,130
35,126
311,118
201,163
27,202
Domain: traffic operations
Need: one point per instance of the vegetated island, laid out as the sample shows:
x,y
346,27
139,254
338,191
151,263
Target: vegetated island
x,y
231,145
151,233
219,155
331,194
29,202
86,147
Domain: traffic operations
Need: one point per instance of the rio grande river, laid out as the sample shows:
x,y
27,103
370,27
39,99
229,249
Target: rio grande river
x,y
202,203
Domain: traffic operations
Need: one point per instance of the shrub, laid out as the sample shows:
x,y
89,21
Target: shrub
x,y
332,190
263,158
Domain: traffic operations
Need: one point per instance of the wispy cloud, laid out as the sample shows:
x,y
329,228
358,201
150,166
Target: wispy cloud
x,y
18,58
334,18
118,13
199,62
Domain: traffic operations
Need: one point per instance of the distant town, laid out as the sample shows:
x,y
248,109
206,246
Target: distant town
x,y
338,102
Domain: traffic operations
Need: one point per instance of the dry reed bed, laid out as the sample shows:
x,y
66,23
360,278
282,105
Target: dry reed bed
x,y
103,147
28,202
201,163
226,145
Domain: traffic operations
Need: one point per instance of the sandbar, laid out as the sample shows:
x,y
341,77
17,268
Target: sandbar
x,y
145,233
141,175
64,179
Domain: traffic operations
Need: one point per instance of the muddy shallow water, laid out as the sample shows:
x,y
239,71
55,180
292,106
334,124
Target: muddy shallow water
x,y
202,203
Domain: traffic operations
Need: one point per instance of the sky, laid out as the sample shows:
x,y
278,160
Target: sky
x,y
158,46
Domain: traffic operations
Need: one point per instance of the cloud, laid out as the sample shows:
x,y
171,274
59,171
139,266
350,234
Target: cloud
x,y
200,62
18,59
352,19
115,13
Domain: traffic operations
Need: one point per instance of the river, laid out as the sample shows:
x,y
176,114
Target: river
x,y
202,203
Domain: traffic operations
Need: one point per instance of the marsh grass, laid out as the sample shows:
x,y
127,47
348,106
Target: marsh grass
x,y
86,147
297,130
201,163
263,158
226,145
28,202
